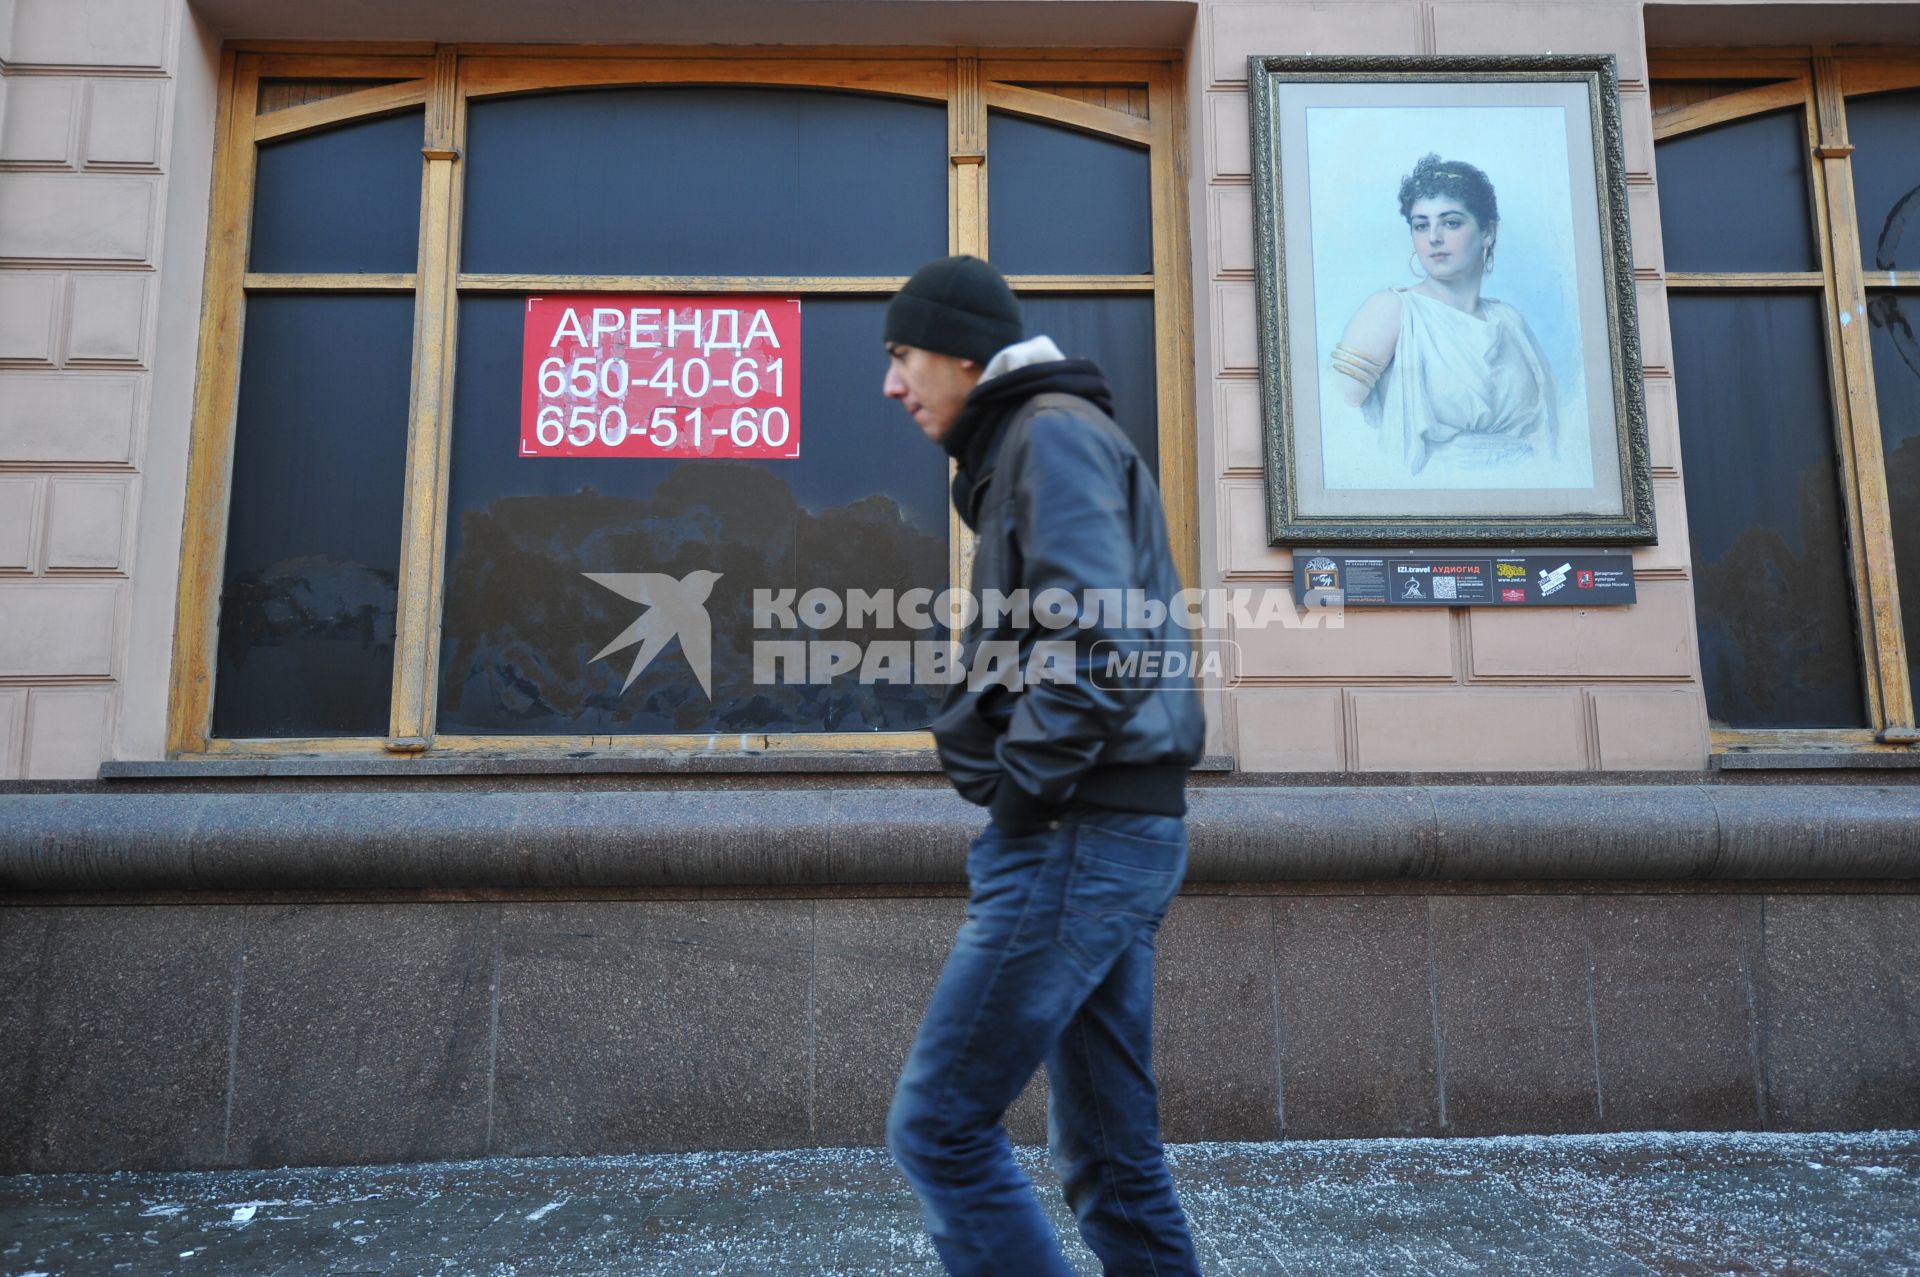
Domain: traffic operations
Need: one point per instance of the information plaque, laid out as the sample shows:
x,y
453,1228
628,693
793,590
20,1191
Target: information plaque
x,y
1429,578
644,375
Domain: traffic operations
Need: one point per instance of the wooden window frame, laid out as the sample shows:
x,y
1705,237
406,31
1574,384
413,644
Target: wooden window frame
x,y
1819,80
444,79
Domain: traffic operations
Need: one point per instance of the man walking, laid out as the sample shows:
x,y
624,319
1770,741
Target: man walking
x,y
1085,777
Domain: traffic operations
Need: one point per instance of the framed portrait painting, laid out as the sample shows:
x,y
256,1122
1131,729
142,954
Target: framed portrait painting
x,y
1448,348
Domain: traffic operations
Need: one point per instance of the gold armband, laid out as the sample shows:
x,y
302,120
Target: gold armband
x,y
1356,365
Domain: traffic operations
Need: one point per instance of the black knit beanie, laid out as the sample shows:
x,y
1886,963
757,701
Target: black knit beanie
x,y
956,306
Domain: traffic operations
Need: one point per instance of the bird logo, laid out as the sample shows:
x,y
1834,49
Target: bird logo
x,y
676,609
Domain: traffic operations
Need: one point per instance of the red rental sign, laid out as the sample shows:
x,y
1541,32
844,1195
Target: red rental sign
x,y
642,375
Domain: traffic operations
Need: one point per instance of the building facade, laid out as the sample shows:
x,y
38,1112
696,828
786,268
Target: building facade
x,y
330,831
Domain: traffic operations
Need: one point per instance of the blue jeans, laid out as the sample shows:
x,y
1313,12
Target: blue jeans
x,y
1053,966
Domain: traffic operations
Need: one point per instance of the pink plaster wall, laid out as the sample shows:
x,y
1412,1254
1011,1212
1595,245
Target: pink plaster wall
x,y
107,108
85,112
1567,689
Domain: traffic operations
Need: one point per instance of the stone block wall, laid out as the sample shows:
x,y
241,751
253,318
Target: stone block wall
x,y
1561,689
103,102
325,1032
85,110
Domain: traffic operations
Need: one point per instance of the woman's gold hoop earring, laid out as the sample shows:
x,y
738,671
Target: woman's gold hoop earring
x,y
1413,265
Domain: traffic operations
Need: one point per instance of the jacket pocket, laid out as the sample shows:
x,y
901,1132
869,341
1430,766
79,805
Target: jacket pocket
x,y
965,742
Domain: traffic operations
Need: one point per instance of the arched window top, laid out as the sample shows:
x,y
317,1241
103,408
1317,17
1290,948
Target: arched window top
x,y
342,199
1885,131
1097,224
1751,174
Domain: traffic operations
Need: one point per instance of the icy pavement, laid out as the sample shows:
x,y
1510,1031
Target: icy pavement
x,y
1589,1205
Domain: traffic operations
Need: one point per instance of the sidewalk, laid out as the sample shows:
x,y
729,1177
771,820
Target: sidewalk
x,y
1607,1204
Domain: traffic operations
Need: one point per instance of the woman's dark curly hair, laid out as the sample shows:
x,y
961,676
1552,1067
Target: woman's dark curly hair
x,y
1433,177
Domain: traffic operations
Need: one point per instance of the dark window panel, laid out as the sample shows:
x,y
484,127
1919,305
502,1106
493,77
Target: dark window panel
x,y
865,505
1735,197
1777,641
1116,332
1895,337
705,182
1061,202
313,535
346,199
1885,132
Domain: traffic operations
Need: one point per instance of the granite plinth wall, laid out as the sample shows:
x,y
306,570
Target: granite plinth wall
x,y
315,1032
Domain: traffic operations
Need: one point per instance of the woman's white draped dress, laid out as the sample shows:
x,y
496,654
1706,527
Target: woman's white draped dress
x,y
1473,388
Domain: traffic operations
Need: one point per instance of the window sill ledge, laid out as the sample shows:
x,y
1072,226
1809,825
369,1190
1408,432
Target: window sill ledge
x,y
1809,759
791,762
822,835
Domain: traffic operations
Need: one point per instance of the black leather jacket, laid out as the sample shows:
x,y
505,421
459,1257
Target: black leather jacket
x,y
1058,498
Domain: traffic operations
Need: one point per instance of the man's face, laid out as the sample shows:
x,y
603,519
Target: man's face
x,y
930,387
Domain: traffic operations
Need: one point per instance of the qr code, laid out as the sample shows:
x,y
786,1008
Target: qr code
x,y
1445,587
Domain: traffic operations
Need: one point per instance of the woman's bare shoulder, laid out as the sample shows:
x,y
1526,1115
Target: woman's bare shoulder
x,y
1374,329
